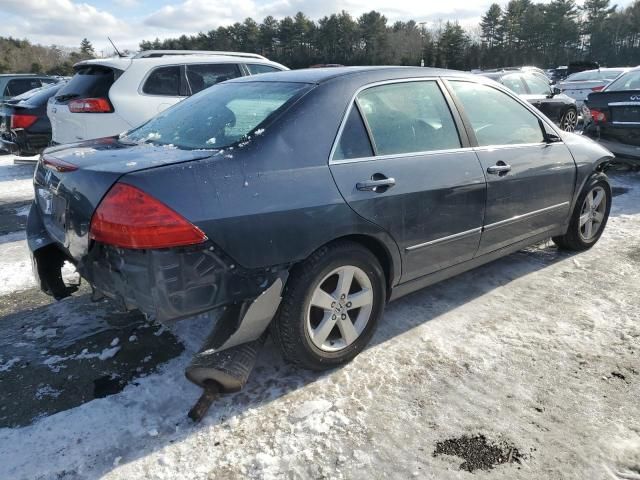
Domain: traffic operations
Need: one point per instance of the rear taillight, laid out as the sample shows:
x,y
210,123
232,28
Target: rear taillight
x,y
90,105
130,218
58,165
598,116
597,89
22,121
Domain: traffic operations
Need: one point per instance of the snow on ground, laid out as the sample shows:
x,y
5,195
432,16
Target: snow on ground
x,y
15,263
538,350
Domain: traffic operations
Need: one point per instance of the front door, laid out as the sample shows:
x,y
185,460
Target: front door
x,y
530,182
401,163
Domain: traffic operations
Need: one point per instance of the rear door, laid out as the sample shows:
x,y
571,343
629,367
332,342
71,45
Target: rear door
x,y
530,182
201,76
402,162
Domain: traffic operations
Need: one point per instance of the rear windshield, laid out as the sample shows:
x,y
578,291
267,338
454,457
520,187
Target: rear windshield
x,y
43,94
628,81
218,116
90,81
594,75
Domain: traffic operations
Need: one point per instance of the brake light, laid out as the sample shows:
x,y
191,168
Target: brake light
x,y
22,120
130,218
58,165
597,89
598,116
90,105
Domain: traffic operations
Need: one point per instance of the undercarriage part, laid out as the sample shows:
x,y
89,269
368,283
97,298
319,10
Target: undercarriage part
x,y
49,262
200,409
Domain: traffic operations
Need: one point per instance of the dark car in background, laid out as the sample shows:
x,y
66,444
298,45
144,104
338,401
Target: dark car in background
x,y
615,116
306,200
535,89
12,85
25,128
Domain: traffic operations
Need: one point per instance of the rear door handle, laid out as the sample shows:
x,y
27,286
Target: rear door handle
x,y
376,184
499,168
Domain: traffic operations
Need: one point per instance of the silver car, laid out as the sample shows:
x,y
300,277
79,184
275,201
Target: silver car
x,y
579,85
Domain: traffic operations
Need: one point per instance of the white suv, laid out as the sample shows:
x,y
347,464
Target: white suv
x,y
108,96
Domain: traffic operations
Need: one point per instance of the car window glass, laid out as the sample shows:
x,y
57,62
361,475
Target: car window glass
x,y
255,69
354,141
408,117
204,76
495,117
89,81
537,85
219,116
513,83
18,86
628,81
163,81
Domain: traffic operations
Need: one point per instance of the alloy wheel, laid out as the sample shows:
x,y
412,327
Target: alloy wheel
x,y
592,214
569,121
340,308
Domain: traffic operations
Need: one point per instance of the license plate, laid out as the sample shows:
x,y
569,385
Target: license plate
x,y
629,114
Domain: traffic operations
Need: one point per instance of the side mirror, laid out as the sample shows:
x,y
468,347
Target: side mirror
x,y
556,91
549,135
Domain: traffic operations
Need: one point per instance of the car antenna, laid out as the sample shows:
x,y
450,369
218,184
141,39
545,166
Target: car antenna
x,y
115,48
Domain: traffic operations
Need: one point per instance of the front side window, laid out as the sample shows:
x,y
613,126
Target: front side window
x,y
163,81
255,68
537,85
496,118
207,75
219,116
408,117
514,83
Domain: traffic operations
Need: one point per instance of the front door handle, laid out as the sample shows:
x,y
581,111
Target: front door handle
x,y
378,183
499,168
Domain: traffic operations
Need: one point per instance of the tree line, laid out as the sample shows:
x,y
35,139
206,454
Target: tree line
x,y
521,32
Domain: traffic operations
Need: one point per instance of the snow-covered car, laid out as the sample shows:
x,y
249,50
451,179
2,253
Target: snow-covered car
x,y
105,97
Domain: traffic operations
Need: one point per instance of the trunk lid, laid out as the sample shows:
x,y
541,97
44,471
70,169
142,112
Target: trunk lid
x,y
622,110
66,200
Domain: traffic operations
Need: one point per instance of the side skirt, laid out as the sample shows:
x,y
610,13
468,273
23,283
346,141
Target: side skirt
x,y
427,280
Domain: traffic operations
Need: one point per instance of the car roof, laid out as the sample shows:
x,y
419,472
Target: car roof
x,y
320,75
122,63
38,75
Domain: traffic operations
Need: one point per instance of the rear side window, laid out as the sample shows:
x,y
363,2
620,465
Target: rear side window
x,y
205,76
18,86
496,118
354,141
255,69
163,81
90,81
628,81
537,85
514,83
408,117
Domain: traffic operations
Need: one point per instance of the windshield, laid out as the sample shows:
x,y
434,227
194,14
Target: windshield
x,y
628,81
218,116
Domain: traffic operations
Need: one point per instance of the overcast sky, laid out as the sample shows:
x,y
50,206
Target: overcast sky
x,y
127,22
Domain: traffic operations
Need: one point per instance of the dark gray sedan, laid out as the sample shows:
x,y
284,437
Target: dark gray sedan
x,y
304,201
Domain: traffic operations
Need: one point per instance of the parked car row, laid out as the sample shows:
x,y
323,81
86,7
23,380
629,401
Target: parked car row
x,y
106,97
304,200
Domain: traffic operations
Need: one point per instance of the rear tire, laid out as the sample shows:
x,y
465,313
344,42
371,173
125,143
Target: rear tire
x,y
330,307
569,120
589,216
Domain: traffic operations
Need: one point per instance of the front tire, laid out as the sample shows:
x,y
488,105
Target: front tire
x,y
589,216
330,306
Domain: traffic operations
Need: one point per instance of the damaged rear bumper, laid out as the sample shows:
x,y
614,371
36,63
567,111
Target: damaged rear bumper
x,y
168,284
